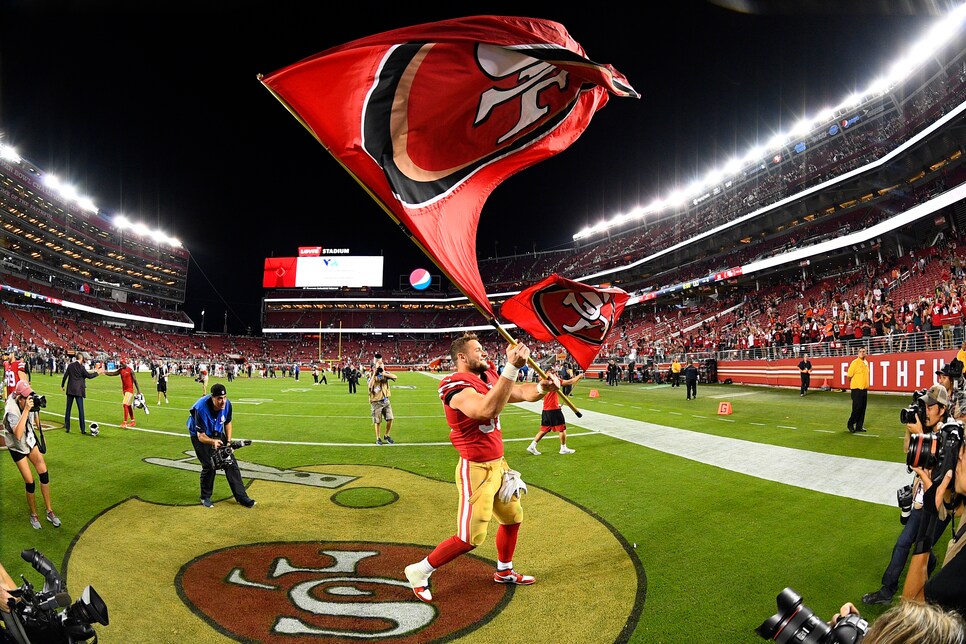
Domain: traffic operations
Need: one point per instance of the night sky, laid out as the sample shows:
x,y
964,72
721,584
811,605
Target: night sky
x,y
157,113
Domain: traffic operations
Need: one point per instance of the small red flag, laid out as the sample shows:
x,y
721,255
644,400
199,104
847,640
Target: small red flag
x,y
431,118
578,316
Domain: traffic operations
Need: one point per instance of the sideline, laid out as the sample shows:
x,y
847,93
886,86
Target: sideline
x,y
855,478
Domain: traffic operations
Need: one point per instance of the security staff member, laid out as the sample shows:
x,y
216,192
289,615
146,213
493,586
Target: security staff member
x,y
858,375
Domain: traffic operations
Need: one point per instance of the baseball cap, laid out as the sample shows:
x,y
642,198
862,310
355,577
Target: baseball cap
x,y
937,394
23,389
218,389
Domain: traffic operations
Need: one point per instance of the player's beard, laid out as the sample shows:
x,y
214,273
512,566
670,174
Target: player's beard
x,y
479,367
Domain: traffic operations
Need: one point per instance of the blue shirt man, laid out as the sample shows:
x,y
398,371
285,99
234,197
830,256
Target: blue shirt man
x,y
209,425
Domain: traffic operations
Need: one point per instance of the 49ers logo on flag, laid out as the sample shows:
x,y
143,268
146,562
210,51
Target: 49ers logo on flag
x,y
577,315
430,119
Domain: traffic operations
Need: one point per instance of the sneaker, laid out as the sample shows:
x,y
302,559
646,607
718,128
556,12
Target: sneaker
x,y
124,424
378,441
53,519
35,521
131,424
878,597
159,403
418,583
566,450
250,503
533,449
207,502
511,577
390,441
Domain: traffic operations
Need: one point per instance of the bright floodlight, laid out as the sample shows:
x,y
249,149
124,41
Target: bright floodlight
x,y
122,222
8,153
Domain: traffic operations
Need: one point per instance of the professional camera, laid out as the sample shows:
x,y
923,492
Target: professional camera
x,y
795,622
224,456
916,410
39,401
36,618
937,451
904,497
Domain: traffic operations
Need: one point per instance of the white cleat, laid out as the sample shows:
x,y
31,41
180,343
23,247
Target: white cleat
x,y
533,450
567,450
418,583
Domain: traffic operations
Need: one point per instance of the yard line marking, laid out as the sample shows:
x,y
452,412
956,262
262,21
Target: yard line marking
x,y
676,413
696,416
786,427
759,424
726,420
736,394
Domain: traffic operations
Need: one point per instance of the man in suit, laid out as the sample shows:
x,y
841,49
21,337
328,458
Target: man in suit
x,y
74,383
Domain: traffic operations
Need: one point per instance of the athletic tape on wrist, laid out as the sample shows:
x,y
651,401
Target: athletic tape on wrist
x,y
510,372
540,390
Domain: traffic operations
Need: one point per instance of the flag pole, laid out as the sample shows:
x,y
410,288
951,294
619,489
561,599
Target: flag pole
x,y
486,314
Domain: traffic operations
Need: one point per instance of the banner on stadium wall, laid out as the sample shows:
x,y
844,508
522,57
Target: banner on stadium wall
x,y
895,372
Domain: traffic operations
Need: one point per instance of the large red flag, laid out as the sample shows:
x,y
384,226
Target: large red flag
x,y
431,118
578,316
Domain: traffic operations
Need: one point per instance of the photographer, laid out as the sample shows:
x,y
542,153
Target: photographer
x,y
209,424
18,434
931,414
379,393
6,584
941,501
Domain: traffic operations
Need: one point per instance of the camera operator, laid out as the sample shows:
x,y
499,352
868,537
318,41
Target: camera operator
x,y
935,406
940,502
379,394
18,433
6,584
209,424
911,622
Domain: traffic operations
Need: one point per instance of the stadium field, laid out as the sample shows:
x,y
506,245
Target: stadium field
x,y
671,523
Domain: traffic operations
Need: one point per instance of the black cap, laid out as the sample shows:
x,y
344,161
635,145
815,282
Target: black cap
x,y
218,389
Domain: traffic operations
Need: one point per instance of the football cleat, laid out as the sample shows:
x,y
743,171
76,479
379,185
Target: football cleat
x,y
511,577
418,583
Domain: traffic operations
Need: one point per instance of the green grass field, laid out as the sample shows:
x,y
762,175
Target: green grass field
x,y
713,547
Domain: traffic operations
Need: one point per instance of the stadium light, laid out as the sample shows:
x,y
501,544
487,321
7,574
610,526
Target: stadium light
x,y
943,31
9,154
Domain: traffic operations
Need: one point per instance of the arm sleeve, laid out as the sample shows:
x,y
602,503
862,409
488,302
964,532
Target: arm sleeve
x,y
946,587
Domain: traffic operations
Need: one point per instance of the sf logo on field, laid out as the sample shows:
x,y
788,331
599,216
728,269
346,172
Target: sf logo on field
x,y
589,315
311,592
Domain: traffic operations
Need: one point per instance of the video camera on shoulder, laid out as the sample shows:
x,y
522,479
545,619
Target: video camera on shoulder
x,y
936,451
795,622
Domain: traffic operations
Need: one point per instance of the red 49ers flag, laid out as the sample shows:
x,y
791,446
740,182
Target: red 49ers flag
x,y
578,316
431,118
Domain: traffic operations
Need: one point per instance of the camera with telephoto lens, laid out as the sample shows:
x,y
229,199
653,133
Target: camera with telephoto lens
x,y
904,498
795,622
35,617
937,451
39,401
224,456
917,410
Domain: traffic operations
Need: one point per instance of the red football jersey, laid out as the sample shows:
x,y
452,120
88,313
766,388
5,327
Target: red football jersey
x,y
475,440
127,379
11,374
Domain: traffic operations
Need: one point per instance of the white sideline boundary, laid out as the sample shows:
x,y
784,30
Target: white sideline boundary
x,y
855,478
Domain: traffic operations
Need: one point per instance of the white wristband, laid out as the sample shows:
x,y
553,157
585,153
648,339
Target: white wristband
x,y
510,372
540,390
